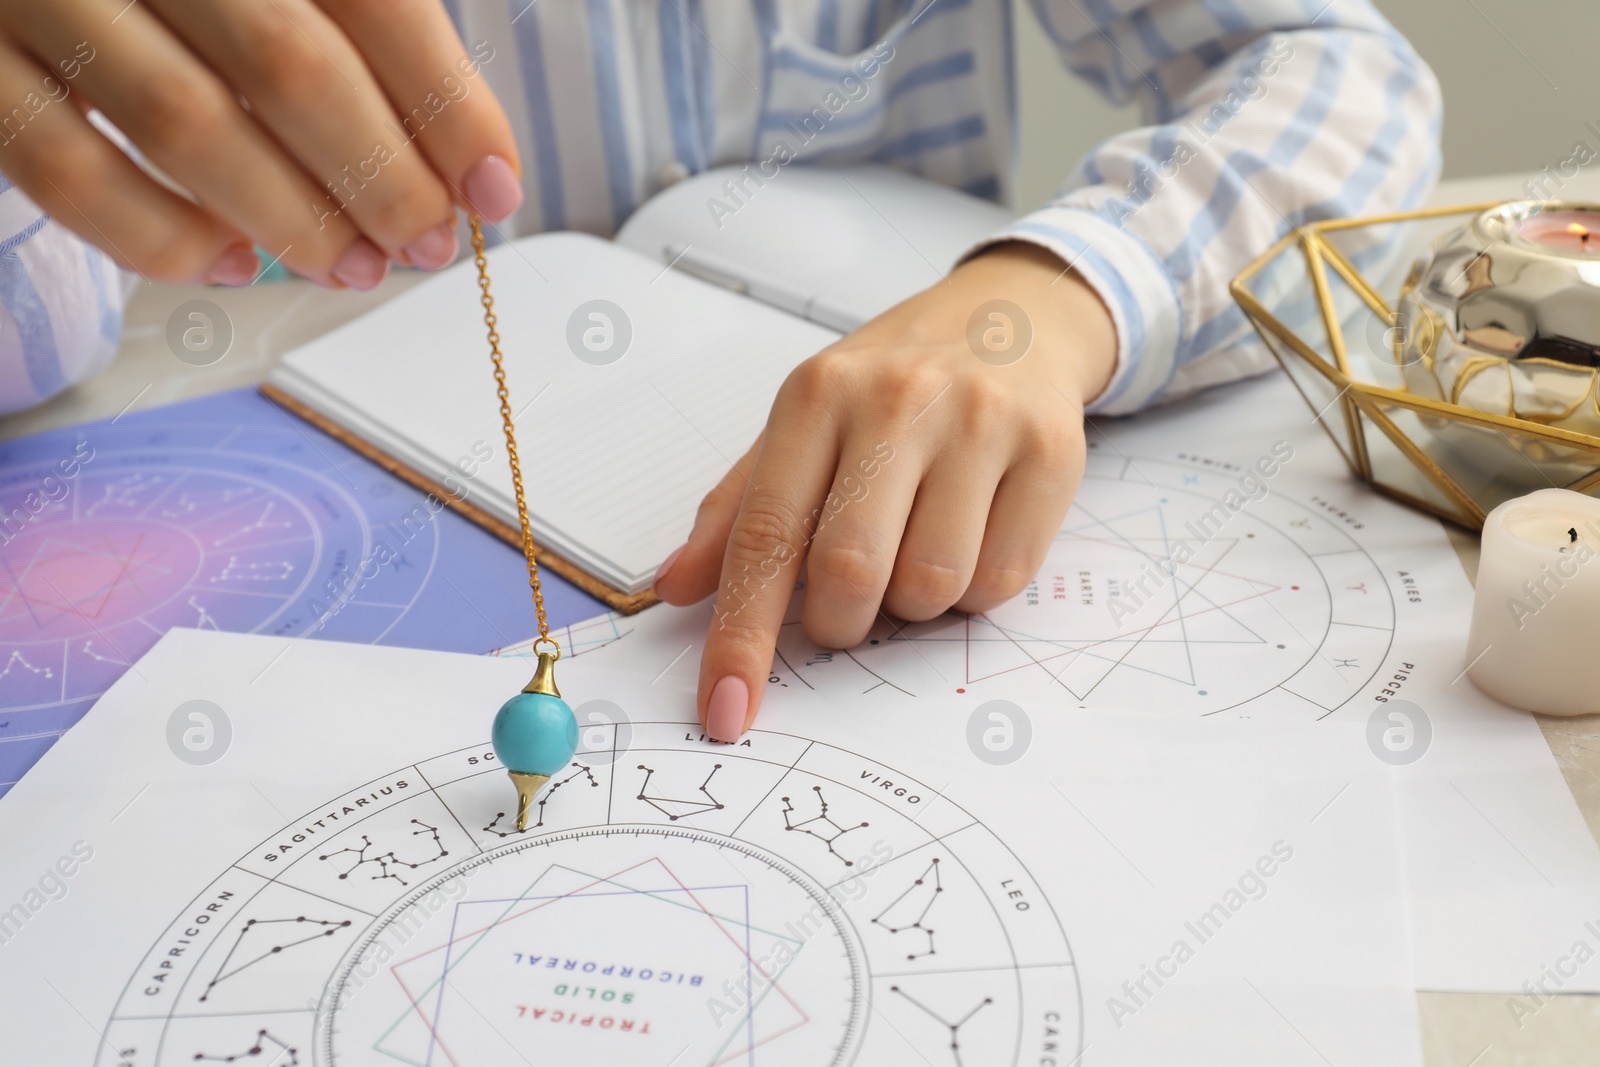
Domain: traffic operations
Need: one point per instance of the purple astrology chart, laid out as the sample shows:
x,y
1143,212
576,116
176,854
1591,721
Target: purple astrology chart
x,y
231,514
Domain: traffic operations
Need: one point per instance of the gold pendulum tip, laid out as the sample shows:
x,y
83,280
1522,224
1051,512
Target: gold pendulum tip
x,y
528,786
544,676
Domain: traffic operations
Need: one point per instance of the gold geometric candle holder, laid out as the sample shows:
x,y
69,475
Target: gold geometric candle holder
x,y
1347,348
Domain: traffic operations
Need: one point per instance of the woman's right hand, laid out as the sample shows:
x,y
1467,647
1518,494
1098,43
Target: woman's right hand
x,y
336,134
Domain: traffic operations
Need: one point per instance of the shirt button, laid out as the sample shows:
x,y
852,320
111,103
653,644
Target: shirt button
x,y
671,173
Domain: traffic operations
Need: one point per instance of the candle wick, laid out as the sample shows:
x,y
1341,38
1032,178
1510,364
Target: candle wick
x,y
1573,533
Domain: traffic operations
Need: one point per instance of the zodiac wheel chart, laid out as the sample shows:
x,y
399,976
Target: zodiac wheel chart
x,y
781,901
1161,590
224,514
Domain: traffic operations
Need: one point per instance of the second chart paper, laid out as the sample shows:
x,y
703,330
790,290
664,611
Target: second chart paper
x,y
1301,597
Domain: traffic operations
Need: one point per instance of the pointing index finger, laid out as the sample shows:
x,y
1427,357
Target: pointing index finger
x,y
765,551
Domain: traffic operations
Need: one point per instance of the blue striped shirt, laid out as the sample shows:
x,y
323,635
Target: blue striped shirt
x,y
60,305
1260,115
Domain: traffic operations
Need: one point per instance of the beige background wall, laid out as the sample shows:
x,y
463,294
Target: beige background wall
x,y
1521,79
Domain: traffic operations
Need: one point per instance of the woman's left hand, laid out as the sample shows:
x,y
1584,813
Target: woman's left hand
x,y
922,463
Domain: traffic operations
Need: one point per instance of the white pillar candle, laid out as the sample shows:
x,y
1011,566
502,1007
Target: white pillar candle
x,y
1537,611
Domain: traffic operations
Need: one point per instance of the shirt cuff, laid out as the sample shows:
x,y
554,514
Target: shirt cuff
x,y
20,218
1135,287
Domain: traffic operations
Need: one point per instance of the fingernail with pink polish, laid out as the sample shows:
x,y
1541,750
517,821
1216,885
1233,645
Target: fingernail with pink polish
x,y
362,266
492,188
730,702
237,266
434,249
666,565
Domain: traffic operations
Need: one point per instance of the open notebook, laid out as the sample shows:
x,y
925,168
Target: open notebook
x,y
628,411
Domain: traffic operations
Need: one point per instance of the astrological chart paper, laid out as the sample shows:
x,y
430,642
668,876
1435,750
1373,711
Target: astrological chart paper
x,y
344,886
1318,603
228,513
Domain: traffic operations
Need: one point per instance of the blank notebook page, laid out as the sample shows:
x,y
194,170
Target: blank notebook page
x,y
615,457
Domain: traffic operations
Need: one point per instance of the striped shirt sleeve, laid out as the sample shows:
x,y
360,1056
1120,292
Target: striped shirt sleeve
x,y
1263,115
60,305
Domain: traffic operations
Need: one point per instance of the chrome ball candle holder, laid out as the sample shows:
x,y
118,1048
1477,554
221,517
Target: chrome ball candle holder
x,y
1504,316
1479,382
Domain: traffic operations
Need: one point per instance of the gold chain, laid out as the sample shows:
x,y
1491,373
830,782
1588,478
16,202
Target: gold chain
x,y
489,322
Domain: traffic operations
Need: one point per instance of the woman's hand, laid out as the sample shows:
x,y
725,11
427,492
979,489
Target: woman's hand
x,y
336,134
924,462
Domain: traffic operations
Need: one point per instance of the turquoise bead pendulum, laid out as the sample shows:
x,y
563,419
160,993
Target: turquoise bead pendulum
x,y
535,734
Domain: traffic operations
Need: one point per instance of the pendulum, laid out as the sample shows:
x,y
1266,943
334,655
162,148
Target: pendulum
x,y
534,735
535,732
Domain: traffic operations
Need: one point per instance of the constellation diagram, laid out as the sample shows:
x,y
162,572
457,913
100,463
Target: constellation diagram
x,y
228,969
204,619
19,660
544,798
123,492
821,825
264,1038
190,503
277,570
917,899
672,909
88,650
263,521
674,808
386,860
221,513
953,1027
